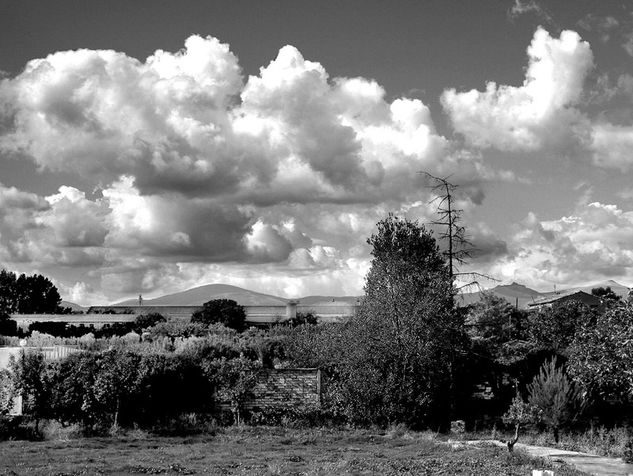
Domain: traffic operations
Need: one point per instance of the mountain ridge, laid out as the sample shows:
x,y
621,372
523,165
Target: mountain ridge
x,y
515,293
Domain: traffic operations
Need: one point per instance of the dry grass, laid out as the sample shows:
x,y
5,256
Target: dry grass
x,y
263,451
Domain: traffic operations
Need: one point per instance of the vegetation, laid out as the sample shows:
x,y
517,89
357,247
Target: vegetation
x,y
396,356
221,311
24,294
407,357
265,451
557,399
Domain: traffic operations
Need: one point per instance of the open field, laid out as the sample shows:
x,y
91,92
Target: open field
x,y
264,451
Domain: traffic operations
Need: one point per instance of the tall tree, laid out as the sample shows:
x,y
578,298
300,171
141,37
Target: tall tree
x,y
37,294
399,348
8,292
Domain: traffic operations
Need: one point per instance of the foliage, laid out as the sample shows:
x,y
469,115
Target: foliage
x,y
557,398
8,292
145,321
305,318
6,392
396,355
495,320
30,380
235,379
555,327
520,413
605,294
116,380
24,294
8,327
601,355
174,328
37,295
223,311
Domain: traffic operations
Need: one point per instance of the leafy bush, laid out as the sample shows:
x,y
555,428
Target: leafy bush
x,y
145,321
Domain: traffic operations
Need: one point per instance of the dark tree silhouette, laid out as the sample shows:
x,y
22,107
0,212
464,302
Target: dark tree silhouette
x,y
222,311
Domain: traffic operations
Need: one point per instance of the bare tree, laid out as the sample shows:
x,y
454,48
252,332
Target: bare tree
x,y
459,248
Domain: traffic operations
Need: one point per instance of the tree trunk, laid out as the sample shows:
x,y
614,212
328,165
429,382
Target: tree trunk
x,y
512,442
116,413
556,434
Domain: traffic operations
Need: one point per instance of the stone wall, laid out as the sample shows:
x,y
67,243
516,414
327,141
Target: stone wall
x,y
285,388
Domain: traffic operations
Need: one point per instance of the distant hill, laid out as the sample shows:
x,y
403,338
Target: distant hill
x,y
198,296
616,287
517,293
513,293
73,306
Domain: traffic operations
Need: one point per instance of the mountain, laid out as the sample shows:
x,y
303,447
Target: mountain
x,y
616,287
198,296
517,293
73,306
514,293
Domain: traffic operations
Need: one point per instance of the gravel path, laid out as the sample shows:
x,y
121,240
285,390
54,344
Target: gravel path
x,y
591,464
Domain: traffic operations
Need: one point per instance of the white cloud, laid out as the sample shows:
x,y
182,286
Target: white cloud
x,y
612,145
186,122
272,181
538,113
594,243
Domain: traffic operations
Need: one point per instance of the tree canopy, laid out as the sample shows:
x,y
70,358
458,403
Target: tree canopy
x,y
398,350
222,311
23,294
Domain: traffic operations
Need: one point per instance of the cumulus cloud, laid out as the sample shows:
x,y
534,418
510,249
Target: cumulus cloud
x,y
594,242
189,123
540,112
201,174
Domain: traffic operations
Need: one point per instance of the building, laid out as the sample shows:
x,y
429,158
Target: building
x,y
579,296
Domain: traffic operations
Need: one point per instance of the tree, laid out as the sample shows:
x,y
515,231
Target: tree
x,y
399,349
601,354
499,344
116,380
557,398
305,318
145,321
554,327
458,246
36,295
8,292
519,414
6,392
235,380
606,294
30,380
8,327
223,311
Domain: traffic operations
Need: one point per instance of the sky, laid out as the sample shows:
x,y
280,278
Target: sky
x,y
148,147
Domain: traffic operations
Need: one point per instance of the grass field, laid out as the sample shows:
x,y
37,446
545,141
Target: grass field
x,y
264,451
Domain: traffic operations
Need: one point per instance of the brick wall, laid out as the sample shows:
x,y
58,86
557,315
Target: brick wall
x,y
284,388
